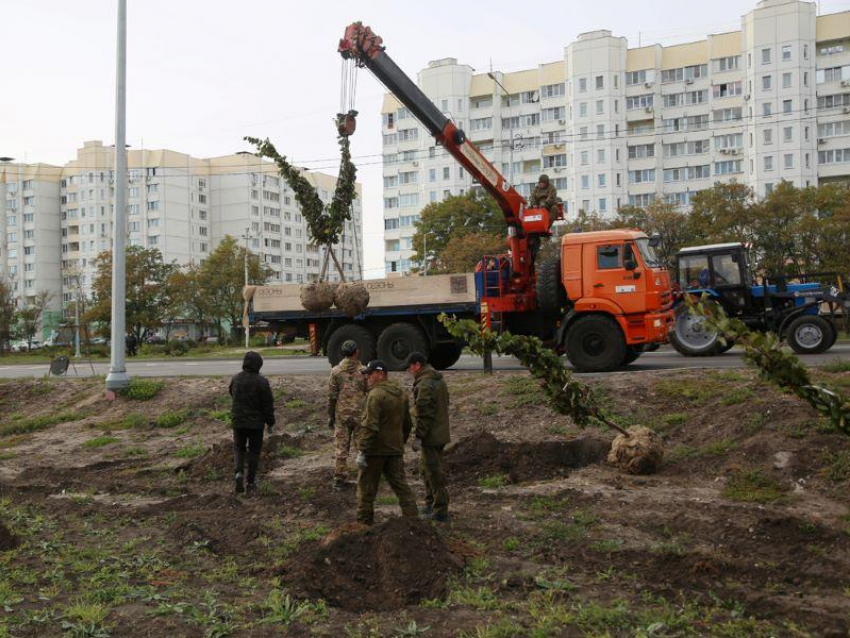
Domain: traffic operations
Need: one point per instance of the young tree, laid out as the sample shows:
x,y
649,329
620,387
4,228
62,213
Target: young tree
x,y
660,218
149,297
222,276
29,317
722,214
7,316
463,253
190,296
455,217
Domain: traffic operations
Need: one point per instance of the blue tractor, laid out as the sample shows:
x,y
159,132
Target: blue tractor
x,y
803,309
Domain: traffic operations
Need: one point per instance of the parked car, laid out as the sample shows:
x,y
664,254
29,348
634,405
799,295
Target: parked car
x,y
23,346
99,341
155,340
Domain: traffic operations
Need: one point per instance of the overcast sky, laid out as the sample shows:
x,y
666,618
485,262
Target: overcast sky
x,y
204,73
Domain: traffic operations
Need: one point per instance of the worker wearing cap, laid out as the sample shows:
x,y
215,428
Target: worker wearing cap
x,y
431,423
346,396
544,195
381,437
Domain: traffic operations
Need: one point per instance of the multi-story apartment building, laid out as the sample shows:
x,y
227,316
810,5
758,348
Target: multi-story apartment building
x,y
614,126
55,221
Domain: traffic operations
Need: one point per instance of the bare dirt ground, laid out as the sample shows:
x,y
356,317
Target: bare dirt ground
x,y
117,518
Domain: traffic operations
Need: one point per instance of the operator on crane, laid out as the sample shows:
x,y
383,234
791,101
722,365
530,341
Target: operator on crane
x,y
544,195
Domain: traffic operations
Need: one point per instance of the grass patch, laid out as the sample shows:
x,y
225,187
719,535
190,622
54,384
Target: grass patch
x,y
753,487
674,418
171,419
220,415
607,546
288,452
387,499
836,366
525,390
487,409
493,482
130,422
100,441
295,403
719,448
512,543
26,426
190,451
142,389
838,468
135,452
735,396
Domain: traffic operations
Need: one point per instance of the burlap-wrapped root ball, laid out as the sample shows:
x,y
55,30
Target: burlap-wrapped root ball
x,y
316,296
352,298
639,453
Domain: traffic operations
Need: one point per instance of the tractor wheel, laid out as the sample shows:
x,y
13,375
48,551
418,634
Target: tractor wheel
x,y
691,337
445,355
551,296
397,341
725,348
809,334
595,344
364,339
834,329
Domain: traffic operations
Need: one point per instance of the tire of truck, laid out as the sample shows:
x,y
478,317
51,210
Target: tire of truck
x,y
834,329
633,352
397,341
551,296
595,343
364,339
721,348
690,337
809,334
445,355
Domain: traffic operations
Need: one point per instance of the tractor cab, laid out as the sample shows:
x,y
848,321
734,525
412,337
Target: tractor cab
x,y
721,270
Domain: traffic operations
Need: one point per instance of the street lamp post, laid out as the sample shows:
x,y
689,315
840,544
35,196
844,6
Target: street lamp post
x,y
246,237
511,146
118,377
425,250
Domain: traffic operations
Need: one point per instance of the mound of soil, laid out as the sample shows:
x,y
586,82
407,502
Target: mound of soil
x,y
7,539
385,567
216,536
219,459
482,454
639,453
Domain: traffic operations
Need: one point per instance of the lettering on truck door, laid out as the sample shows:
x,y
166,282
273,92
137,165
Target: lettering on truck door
x,y
625,288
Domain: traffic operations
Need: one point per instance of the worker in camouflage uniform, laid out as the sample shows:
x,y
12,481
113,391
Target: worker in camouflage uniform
x,y
381,437
346,396
544,195
431,424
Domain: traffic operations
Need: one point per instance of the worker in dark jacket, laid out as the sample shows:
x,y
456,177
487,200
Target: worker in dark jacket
x,y
381,437
431,423
544,195
252,410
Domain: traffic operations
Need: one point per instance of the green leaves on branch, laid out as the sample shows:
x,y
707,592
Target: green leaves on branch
x,y
566,395
324,224
781,368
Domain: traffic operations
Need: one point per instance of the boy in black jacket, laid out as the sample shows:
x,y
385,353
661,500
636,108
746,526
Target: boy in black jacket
x,y
252,409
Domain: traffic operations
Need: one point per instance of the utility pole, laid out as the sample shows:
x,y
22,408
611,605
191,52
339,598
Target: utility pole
x,y
77,353
118,377
246,237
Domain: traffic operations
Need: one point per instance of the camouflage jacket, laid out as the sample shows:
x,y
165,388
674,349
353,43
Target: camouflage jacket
x,y
544,197
346,391
386,421
431,407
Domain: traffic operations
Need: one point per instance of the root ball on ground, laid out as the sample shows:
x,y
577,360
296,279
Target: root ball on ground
x,y
639,453
316,296
352,298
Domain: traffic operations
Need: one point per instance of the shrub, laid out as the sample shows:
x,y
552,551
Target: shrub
x,y
142,389
171,419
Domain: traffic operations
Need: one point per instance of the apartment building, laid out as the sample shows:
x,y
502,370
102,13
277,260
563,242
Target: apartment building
x,y
55,221
614,126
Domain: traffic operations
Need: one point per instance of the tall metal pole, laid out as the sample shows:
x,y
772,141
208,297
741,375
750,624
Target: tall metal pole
x,y
425,251
118,377
247,325
77,335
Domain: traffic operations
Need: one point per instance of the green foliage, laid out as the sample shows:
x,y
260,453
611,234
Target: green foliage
x,y
566,395
280,608
836,366
190,451
171,419
493,482
753,487
100,441
25,426
775,365
142,389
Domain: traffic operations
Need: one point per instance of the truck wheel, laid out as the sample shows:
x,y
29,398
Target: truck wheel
x,y
445,355
364,339
834,329
725,348
633,352
595,344
809,334
551,296
691,337
399,340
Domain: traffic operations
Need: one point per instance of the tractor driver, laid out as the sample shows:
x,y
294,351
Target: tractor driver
x,y
544,195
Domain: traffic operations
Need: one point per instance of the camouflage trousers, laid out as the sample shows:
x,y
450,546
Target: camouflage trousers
x,y
392,469
343,433
434,475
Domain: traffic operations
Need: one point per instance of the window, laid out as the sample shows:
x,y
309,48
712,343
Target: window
x,y
831,50
557,113
640,101
766,81
767,108
585,158
732,141
582,132
838,156
409,199
390,140
552,90
582,85
390,202
830,129
28,250
600,156
600,131
765,56
585,181
153,205
447,172
641,201
768,136
641,150
728,115
834,101
600,82
600,107
554,161
481,124
582,109
768,162
787,106
728,168
686,148
687,74
691,123
788,134
603,205
608,257
789,160
600,180
728,89
408,135
639,177
833,74
786,80
432,174
786,52
731,63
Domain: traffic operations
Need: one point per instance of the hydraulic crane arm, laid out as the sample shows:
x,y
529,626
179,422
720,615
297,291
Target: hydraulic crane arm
x,y
366,49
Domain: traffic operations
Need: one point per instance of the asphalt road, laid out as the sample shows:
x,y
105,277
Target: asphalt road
x,y
663,359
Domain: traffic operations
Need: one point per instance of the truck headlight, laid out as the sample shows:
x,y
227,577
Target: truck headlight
x,y
657,323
